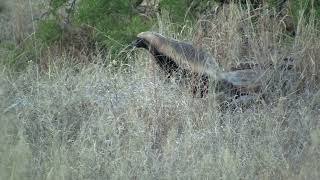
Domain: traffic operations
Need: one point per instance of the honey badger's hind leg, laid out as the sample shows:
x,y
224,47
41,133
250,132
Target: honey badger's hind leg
x,y
200,85
204,85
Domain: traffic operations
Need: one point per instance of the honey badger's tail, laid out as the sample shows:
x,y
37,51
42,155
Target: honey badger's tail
x,y
248,78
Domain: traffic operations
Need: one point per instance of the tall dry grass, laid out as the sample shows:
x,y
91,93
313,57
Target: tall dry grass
x,y
76,121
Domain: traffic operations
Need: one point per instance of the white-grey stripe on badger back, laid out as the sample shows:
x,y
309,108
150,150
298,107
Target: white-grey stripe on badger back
x,y
200,60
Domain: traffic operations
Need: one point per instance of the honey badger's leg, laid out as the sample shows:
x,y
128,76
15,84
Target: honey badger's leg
x,y
204,85
194,86
199,84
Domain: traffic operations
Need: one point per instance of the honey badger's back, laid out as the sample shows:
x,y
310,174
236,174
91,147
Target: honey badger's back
x,y
195,59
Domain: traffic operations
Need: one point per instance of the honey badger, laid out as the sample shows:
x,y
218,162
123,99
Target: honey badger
x,y
197,66
177,57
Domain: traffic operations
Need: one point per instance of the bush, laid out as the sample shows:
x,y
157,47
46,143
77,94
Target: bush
x,y
2,6
116,21
308,8
49,31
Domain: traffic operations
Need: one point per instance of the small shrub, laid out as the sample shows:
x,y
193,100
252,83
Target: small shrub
x,y
2,6
116,21
182,11
49,31
308,8
56,4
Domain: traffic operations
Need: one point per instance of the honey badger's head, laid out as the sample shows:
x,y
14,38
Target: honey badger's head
x,y
149,41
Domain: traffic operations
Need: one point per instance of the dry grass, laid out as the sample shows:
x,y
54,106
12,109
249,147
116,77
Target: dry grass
x,y
16,19
76,121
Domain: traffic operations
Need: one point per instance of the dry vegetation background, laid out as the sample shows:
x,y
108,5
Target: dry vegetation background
x,y
90,120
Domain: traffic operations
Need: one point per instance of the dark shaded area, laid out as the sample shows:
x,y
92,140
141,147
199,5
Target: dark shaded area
x,y
2,7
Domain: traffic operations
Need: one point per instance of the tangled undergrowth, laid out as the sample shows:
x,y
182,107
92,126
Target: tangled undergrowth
x,y
95,123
